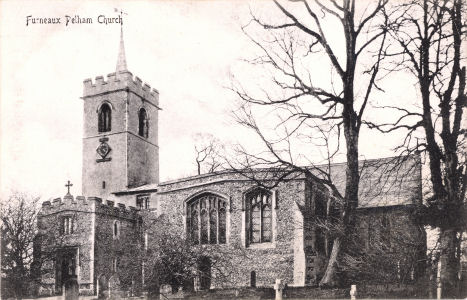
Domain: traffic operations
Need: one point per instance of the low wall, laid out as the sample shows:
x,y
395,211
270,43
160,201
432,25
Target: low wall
x,y
377,291
234,293
381,291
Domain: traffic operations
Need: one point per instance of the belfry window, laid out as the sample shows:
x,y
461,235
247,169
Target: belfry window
x,y
206,220
259,216
143,125
105,118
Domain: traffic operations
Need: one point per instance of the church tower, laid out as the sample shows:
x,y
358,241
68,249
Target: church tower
x,y
120,138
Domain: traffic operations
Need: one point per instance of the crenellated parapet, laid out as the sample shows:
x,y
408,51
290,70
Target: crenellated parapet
x,y
68,203
88,205
119,210
123,80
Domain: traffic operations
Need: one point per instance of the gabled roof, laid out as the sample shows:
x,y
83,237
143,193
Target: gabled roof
x,y
146,188
391,181
385,181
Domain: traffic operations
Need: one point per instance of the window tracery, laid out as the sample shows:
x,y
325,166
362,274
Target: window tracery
x,y
67,225
206,219
259,216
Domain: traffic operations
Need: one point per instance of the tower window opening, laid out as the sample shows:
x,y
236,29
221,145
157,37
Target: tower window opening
x,y
105,118
103,184
143,124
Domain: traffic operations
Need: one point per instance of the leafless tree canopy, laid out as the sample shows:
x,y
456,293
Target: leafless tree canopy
x,y
18,215
314,106
209,153
428,42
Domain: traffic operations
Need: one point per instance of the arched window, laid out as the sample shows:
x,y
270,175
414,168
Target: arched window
x,y
105,118
206,219
253,279
116,230
143,125
259,216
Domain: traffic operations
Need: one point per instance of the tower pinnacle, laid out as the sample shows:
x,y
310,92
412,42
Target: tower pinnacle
x,y
121,60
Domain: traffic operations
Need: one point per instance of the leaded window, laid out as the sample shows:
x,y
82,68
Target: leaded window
x,y
259,216
206,219
67,225
142,201
105,118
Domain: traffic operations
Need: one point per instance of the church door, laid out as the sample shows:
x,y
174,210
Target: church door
x,y
65,268
204,266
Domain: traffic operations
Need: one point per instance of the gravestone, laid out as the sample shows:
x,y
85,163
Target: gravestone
x,y
72,288
114,287
278,287
102,286
353,292
165,289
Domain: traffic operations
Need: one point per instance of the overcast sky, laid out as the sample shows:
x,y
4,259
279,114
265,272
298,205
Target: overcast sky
x,y
185,49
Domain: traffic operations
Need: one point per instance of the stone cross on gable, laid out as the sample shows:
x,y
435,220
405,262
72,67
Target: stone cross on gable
x,y
68,185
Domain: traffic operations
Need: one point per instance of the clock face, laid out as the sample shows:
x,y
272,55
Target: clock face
x,y
103,149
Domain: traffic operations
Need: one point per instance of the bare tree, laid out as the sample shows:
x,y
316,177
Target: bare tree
x,y
208,153
305,105
172,259
428,39
18,215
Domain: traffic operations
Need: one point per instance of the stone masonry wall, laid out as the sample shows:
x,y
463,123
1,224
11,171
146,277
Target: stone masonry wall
x,y
53,240
393,232
269,260
134,159
143,153
93,236
122,249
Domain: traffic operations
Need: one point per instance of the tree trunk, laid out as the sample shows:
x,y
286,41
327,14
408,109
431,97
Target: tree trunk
x,y
351,192
330,276
449,265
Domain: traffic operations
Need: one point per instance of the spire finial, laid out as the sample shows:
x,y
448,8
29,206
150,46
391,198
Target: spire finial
x,y
121,60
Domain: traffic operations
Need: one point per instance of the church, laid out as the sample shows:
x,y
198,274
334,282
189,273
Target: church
x,y
269,233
